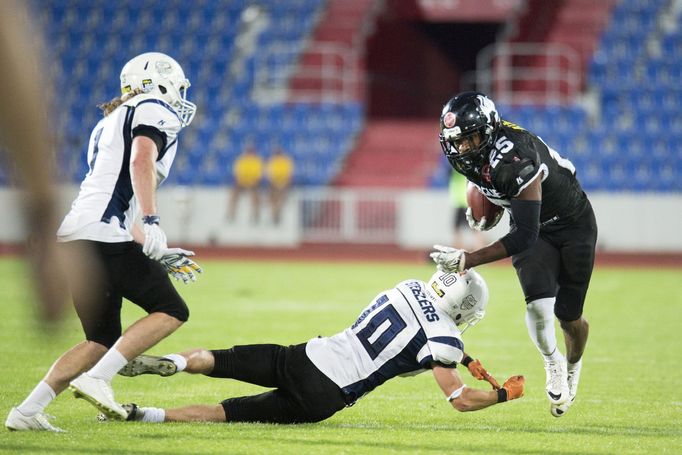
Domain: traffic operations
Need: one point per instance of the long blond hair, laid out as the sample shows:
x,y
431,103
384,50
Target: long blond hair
x,y
108,107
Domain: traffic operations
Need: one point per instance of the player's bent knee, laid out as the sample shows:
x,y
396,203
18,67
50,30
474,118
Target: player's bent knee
x,y
541,308
219,414
199,361
167,301
96,348
180,312
105,338
177,310
205,356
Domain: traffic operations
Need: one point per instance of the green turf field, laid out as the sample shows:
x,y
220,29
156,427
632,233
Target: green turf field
x,y
630,398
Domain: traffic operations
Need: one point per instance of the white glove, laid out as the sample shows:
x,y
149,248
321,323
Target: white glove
x,y
154,241
482,224
177,263
449,259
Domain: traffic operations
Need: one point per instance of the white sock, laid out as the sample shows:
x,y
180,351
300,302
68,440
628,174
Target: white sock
x,y
540,323
574,366
153,415
179,361
109,365
37,400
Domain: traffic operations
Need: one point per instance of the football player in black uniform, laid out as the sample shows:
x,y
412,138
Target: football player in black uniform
x,y
552,236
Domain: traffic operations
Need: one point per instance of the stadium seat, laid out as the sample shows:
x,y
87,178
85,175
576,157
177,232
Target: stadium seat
x,y
640,97
204,45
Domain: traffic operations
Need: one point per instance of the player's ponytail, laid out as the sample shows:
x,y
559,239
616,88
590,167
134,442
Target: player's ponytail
x,y
109,107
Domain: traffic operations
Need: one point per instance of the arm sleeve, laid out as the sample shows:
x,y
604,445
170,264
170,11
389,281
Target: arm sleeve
x,y
526,228
158,121
154,134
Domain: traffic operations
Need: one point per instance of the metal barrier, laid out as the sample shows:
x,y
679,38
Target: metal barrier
x,y
337,215
321,72
529,73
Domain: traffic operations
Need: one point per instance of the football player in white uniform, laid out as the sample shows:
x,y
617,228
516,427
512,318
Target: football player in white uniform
x,y
130,153
413,327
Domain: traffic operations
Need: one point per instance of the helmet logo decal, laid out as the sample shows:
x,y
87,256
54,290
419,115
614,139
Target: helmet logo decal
x,y
488,108
435,287
163,68
449,120
147,85
468,302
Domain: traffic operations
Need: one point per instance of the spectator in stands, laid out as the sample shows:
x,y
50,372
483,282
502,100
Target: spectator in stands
x,y
279,170
458,196
248,172
552,237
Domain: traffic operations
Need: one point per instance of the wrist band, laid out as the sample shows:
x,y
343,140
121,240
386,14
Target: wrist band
x,y
466,361
151,219
501,395
456,393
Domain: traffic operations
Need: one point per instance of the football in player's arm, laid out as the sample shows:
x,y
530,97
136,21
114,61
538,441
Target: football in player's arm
x,y
413,327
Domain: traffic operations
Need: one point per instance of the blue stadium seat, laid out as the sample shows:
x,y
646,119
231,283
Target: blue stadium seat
x,y
640,94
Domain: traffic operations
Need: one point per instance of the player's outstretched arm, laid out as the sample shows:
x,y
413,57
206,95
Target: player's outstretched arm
x,y
464,398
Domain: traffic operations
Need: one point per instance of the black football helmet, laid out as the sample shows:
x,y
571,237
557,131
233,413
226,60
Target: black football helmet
x,y
469,124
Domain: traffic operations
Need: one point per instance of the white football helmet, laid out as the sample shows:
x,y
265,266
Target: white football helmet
x,y
157,73
463,297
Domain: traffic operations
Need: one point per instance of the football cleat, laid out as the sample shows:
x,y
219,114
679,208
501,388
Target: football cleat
x,y
98,393
133,410
149,364
16,421
573,378
558,410
557,383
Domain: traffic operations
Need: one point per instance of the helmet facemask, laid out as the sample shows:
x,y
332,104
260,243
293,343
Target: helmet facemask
x,y
184,108
475,144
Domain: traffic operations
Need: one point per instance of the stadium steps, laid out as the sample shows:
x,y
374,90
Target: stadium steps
x,y
579,25
345,25
393,154
576,24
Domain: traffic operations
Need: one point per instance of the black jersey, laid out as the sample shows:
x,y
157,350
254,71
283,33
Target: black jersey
x,y
516,158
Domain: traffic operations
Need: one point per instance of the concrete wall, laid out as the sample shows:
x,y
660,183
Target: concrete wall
x,y
628,222
196,215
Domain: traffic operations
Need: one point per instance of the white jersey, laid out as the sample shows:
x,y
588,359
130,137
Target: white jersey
x,y
106,209
399,333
